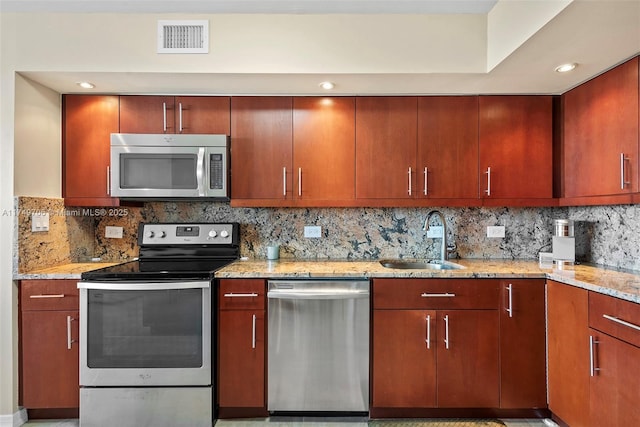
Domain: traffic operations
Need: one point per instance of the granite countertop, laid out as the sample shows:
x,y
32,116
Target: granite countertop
x,y
624,285
64,271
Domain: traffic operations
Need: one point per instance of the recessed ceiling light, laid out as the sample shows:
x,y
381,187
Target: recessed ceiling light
x,y
566,67
86,85
327,85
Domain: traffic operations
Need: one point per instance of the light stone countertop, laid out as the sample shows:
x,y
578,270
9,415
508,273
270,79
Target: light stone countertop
x,y
624,285
64,271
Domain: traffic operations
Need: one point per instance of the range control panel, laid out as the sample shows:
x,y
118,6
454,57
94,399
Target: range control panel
x,y
188,234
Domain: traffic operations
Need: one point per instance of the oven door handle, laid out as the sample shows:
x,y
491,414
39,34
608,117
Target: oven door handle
x,y
143,286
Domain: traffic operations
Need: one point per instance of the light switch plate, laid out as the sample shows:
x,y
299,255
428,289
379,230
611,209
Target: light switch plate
x,y
434,232
496,231
40,221
312,231
113,232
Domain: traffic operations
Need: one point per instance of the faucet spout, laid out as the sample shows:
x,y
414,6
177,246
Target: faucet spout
x,y
443,248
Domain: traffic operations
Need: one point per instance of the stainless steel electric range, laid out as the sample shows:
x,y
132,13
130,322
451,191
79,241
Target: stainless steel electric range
x,y
146,333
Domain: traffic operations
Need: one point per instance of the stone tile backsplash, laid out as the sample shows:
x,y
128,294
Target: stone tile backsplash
x,y
605,235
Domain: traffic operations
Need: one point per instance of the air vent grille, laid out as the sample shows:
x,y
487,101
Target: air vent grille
x,y
183,36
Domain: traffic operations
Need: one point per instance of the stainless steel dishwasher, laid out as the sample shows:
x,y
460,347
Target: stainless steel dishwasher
x,y
318,357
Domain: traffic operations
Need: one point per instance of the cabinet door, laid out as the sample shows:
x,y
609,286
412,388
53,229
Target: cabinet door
x,y
615,382
386,137
147,114
404,359
568,353
241,359
516,147
49,366
88,123
468,359
324,148
261,146
203,114
601,134
523,344
447,147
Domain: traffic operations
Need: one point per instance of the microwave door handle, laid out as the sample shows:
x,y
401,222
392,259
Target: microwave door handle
x,y
201,172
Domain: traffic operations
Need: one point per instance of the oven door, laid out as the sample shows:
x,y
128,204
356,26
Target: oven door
x,y
145,334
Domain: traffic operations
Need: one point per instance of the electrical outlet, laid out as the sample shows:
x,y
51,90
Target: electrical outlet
x,y
113,232
40,221
496,231
312,231
434,232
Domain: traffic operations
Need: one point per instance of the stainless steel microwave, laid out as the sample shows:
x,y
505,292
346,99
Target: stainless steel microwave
x,y
161,166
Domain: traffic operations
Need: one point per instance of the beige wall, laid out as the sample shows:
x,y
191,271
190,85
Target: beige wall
x,y
37,147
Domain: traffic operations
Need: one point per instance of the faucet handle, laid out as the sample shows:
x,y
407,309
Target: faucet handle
x,y
452,247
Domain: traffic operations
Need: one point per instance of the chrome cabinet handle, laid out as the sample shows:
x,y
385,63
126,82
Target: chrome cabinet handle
x,y
232,295
410,173
253,333
592,356
445,295
284,181
488,190
622,322
180,117
47,296
108,179
623,182
428,332
446,332
69,340
510,293
426,181
300,182
164,117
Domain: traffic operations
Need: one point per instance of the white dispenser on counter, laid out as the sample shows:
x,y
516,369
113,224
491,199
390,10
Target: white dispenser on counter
x,y
564,243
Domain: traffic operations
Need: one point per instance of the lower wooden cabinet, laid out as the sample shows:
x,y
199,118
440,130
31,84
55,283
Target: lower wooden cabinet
x,y
49,344
241,348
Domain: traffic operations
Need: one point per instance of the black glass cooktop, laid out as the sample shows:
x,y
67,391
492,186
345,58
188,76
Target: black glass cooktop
x,y
183,269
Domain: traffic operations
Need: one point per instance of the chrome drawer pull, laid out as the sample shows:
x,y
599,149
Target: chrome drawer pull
x,y
592,356
622,322
47,296
232,295
510,308
445,295
253,333
69,340
446,332
428,332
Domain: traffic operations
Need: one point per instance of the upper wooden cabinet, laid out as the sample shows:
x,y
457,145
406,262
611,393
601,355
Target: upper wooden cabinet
x,y
386,135
447,148
600,119
516,149
180,114
88,121
324,148
261,149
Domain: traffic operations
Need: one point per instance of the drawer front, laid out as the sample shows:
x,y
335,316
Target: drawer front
x,y
435,293
242,294
49,295
616,317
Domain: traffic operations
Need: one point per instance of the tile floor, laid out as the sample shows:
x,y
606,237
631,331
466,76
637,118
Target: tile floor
x,y
280,422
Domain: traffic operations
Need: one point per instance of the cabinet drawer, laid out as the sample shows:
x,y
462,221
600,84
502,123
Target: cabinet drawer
x,y
49,295
241,294
435,293
622,317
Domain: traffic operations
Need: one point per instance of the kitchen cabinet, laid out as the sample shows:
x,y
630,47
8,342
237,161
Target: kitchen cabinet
x,y
386,137
447,159
522,344
600,124
241,348
49,319
324,148
261,150
435,344
88,121
615,369
516,146
568,353
179,114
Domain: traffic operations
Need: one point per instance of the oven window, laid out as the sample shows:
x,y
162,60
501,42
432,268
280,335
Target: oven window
x,y
145,329
158,171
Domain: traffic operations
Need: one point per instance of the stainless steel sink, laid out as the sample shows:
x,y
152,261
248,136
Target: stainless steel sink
x,y
421,265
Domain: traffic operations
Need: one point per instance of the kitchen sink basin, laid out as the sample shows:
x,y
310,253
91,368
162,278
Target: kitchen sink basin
x,y
420,265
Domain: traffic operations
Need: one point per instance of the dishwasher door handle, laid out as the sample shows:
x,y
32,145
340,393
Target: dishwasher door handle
x,y
333,294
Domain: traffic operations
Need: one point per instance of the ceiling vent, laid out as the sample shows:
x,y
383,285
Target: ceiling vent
x,y
183,36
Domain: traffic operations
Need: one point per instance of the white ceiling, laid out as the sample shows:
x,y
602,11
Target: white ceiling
x,y
597,34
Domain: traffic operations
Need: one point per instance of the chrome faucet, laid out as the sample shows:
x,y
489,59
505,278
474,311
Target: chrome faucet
x,y
444,255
